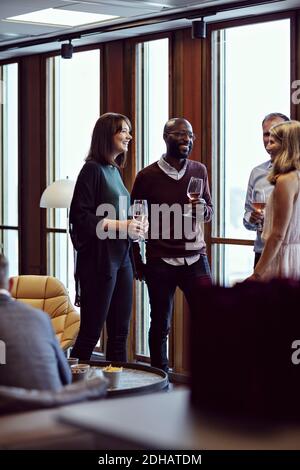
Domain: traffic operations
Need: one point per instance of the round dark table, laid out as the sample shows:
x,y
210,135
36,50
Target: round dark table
x,y
135,378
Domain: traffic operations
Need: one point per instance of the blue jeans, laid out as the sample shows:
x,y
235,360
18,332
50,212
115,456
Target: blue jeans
x,y
162,280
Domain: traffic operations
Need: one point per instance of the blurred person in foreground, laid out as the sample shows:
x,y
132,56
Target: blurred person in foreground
x,y
33,356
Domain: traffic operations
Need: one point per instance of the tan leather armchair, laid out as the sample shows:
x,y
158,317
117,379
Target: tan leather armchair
x,y
49,294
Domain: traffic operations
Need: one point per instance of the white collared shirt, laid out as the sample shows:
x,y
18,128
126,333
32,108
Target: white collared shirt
x,y
170,170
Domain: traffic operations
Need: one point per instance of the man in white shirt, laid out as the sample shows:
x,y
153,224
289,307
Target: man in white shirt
x,y
253,219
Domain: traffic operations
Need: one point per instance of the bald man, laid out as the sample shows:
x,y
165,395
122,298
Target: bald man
x,y
174,257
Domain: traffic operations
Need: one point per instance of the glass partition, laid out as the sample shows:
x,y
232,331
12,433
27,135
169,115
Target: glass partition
x,y
152,112
73,106
9,207
251,78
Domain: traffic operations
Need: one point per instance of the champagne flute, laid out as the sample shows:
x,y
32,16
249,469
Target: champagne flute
x,y
140,212
259,203
195,189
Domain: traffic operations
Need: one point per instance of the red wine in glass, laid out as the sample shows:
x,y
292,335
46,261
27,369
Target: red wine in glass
x,y
193,196
259,206
195,188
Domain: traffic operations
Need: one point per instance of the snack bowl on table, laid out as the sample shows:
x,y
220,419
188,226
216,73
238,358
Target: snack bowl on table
x,y
79,372
113,375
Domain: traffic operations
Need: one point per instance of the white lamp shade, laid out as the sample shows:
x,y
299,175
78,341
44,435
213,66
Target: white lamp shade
x,y
58,194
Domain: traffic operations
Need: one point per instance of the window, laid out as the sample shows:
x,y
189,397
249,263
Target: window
x,y
73,100
251,78
9,219
152,88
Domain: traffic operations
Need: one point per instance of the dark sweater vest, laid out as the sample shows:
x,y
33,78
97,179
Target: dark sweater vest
x,y
158,188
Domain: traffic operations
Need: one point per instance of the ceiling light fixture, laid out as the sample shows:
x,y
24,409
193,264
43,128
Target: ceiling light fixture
x,y
199,29
59,17
66,50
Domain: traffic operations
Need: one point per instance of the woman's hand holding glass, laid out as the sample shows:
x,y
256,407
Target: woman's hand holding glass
x,y
139,225
128,227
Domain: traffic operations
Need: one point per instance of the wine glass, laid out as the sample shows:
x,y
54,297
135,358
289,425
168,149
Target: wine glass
x,y
140,212
195,189
259,203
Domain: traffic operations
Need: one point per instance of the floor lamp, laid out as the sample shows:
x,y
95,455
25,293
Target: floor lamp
x,y
59,195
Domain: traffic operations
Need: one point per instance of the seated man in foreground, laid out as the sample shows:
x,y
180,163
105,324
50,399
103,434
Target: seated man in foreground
x,y
32,357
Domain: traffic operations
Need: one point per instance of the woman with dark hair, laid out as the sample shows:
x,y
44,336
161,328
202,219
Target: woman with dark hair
x,y
99,228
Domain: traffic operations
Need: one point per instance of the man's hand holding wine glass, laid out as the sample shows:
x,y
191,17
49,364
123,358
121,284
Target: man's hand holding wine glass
x,y
258,204
194,193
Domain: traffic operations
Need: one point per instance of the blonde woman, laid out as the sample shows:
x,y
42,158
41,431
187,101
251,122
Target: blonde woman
x,y
281,254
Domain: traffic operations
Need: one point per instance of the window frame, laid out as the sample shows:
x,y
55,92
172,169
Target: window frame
x,y
50,219
133,44
6,228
